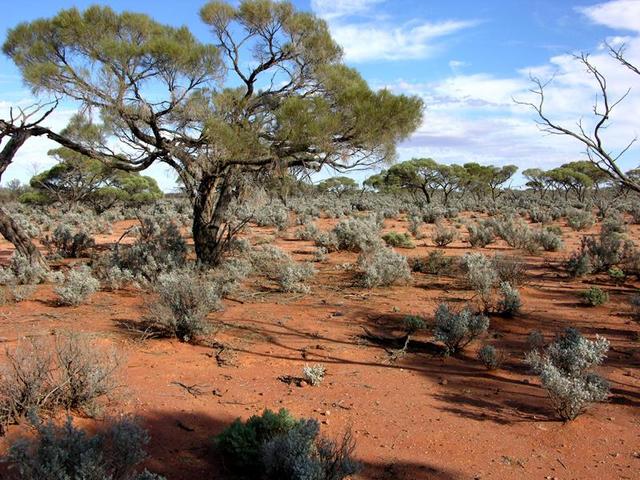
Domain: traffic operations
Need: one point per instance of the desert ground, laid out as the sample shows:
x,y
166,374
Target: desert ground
x,y
419,415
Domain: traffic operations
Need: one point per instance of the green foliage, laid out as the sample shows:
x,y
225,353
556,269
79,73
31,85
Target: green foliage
x,y
413,323
241,443
594,296
617,275
338,185
276,446
401,240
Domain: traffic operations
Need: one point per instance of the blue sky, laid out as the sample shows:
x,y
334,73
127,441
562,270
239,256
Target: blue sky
x,y
466,58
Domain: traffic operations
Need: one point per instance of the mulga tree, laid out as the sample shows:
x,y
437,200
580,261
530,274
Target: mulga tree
x,y
14,133
270,94
338,186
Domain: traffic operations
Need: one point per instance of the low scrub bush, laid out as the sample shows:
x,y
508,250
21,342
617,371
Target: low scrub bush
x,y
382,267
21,271
435,263
510,269
580,219
491,357
549,240
617,275
313,374
67,243
515,232
71,373
443,236
78,285
565,370
510,302
579,264
357,234
68,453
481,275
480,234
276,446
458,329
184,300
159,248
594,297
400,240
278,266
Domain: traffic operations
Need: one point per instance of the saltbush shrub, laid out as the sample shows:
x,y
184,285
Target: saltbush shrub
x,y
382,267
480,234
510,302
68,453
443,235
580,219
548,240
458,329
435,263
78,285
357,234
313,374
491,357
565,370
276,264
21,271
184,300
68,243
480,275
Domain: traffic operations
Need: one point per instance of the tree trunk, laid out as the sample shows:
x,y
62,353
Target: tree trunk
x,y
20,240
210,236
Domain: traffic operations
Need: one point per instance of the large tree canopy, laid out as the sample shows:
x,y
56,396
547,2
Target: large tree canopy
x,y
270,94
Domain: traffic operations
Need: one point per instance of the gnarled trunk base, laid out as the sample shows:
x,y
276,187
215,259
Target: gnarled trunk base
x,y
10,230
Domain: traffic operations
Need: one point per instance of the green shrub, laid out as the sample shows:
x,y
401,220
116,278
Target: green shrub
x,y
436,263
579,264
617,275
241,443
279,447
278,266
401,240
594,297
357,234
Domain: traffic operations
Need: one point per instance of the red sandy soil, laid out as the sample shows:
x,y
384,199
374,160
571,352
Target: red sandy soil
x,y
421,417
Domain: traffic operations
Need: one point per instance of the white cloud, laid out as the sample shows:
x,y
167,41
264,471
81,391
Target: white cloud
x,y
332,9
381,40
473,118
617,14
410,41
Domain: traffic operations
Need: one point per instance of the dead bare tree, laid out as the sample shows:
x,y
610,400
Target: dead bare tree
x,y
14,132
603,107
